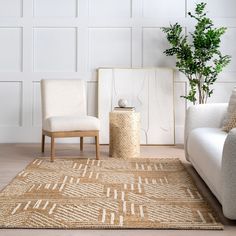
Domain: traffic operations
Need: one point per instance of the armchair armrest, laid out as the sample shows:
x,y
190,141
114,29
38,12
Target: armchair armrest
x,y
204,115
229,176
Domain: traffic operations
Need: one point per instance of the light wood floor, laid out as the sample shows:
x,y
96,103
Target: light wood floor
x,y
14,157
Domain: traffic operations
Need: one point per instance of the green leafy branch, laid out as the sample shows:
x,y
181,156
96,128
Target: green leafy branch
x,y
201,61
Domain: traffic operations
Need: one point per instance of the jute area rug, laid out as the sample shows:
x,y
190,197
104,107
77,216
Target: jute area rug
x,y
85,193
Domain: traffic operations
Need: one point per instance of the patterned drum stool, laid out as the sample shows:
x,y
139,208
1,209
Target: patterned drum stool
x,y
124,134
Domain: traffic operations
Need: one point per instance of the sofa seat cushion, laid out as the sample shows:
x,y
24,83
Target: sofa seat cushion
x,y
205,148
71,123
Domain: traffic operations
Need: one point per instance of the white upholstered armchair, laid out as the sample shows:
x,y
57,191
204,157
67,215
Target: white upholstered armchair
x,y
64,113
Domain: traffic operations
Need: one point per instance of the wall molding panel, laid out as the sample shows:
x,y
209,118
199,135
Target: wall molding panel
x,y
43,39
55,49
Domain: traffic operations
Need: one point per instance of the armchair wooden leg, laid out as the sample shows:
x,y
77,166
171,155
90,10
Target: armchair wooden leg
x,y
81,143
52,149
43,143
97,147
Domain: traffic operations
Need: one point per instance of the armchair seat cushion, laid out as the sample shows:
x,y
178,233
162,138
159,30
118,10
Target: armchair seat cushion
x,y
71,123
205,148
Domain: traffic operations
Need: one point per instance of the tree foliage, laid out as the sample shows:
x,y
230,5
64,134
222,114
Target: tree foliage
x,y
198,55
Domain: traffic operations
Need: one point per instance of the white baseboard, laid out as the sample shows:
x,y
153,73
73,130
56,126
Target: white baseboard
x,y
33,135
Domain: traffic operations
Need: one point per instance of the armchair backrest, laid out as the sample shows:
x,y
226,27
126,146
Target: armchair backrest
x,y
65,97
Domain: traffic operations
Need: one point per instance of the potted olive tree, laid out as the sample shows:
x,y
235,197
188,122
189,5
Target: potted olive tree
x,y
198,55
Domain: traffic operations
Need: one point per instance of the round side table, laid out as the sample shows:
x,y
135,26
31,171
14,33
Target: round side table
x,y
124,134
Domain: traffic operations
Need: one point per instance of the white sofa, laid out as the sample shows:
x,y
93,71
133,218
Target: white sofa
x,y
212,152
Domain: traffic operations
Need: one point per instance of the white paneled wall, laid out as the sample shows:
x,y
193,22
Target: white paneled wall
x,y
71,38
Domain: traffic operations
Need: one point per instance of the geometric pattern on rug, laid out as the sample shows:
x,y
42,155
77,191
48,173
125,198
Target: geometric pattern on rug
x,y
86,193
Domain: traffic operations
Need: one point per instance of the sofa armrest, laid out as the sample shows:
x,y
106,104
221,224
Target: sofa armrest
x,y
204,115
228,176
